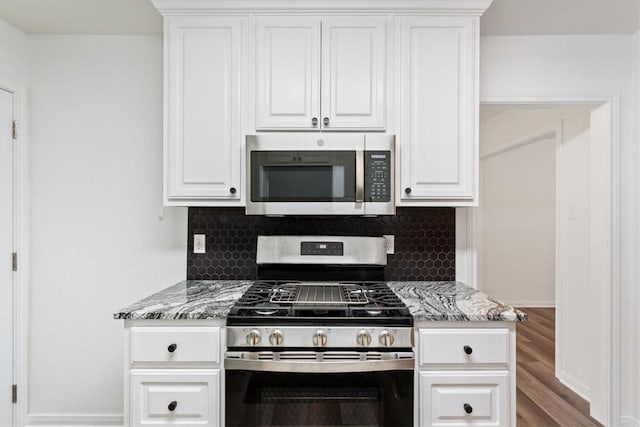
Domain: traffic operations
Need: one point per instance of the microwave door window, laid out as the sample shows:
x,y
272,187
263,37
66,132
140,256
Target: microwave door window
x,y
303,177
298,183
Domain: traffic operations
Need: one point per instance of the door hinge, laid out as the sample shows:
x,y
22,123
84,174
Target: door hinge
x,y
14,393
14,129
14,261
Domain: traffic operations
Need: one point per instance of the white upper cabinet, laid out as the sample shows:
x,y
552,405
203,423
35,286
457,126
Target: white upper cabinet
x,y
203,109
321,73
437,81
287,73
354,61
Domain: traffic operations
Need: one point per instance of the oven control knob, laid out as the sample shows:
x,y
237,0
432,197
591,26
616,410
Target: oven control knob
x,y
253,337
276,337
363,338
320,338
386,338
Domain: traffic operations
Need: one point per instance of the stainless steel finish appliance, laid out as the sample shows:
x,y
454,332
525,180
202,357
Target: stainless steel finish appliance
x,y
320,174
319,333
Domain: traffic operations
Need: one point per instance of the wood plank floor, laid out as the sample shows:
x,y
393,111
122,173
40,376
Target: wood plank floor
x,y
542,400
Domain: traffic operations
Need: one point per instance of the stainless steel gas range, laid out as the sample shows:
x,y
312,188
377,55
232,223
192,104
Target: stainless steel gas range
x,y
319,339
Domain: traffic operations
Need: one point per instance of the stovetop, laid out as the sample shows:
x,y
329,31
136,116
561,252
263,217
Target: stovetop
x,y
311,303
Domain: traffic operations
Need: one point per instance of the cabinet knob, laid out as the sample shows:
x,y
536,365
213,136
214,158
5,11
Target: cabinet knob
x,y
325,121
172,348
232,190
314,121
467,349
172,405
407,190
468,408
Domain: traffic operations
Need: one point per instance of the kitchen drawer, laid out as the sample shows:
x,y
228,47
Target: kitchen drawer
x,y
477,398
175,397
464,346
189,344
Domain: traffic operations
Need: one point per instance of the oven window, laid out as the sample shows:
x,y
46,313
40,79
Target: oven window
x,y
303,176
295,399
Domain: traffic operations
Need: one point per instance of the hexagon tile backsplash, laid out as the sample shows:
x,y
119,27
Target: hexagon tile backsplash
x,y
425,240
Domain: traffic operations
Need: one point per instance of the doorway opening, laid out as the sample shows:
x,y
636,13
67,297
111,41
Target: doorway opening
x,y
543,239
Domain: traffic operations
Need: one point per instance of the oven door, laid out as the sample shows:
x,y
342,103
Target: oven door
x,y
336,391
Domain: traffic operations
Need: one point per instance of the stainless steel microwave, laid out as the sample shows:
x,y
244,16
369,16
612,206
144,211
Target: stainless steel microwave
x,y
320,174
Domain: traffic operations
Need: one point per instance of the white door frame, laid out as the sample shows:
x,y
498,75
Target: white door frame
x,y
20,246
10,341
467,227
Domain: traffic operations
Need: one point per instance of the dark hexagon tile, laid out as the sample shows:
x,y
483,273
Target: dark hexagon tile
x,y
425,240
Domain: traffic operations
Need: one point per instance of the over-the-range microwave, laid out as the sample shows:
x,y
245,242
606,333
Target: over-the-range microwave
x,y
320,174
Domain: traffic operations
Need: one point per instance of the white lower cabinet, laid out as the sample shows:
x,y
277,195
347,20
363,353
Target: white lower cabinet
x,y
175,396
460,398
173,373
465,376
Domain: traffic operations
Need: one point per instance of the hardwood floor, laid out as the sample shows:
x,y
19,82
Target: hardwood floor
x,y
542,400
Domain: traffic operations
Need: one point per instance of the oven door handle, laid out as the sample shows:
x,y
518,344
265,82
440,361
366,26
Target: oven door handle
x,y
319,366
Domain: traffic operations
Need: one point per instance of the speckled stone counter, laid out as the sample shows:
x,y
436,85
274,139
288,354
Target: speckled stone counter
x,y
427,301
189,299
452,301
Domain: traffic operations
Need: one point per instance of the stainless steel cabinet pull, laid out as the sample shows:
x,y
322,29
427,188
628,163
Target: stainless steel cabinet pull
x,y
314,121
325,121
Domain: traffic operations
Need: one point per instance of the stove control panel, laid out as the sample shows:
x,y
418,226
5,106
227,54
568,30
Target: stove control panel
x,y
322,248
323,337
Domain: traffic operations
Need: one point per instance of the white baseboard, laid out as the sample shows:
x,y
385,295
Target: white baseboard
x,y
529,303
578,387
75,420
629,421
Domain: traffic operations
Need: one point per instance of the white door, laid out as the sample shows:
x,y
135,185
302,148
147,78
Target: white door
x,y
6,249
203,134
288,73
438,126
354,61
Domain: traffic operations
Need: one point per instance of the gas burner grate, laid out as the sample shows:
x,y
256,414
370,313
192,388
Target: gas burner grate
x,y
319,293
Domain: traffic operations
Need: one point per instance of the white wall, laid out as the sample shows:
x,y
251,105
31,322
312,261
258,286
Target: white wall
x,y
98,243
560,66
517,214
15,76
516,224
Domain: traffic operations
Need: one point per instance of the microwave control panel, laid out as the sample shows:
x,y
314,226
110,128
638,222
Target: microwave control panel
x,y
377,180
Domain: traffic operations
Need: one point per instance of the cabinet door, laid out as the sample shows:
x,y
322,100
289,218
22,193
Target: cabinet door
x,y
438,108
175,397
288,73
354,73
464,398
203,127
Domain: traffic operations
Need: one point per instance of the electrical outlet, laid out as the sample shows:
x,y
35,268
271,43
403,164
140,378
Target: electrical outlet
x,y
390,238
199,244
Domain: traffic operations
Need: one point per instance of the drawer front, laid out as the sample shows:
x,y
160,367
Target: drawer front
x,y
186,397
464,346
464,398
189,344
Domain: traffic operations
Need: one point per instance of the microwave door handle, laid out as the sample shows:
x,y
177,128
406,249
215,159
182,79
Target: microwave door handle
x,y
359,176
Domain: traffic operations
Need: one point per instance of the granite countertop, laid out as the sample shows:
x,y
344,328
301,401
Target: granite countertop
x,y
189,299
427,301
452,301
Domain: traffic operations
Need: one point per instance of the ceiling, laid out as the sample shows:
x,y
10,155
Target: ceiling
x,y
504,17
